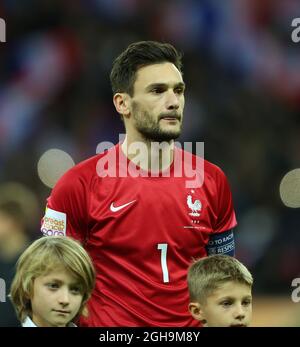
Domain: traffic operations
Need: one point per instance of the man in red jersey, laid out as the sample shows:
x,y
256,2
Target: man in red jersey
x,y
140,221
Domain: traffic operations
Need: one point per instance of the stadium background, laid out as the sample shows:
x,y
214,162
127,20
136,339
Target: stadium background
x,y
243,100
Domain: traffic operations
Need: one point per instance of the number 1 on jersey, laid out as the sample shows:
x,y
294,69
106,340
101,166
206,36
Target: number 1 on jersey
x,y
163,259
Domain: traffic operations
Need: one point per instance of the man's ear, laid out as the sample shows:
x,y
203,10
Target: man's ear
x,y
122,103
196,311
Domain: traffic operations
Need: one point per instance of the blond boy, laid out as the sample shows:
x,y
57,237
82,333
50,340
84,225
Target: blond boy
x,y
53,281
220,292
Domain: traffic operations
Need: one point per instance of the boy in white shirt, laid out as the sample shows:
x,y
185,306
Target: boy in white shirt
x,y
53,282
220,292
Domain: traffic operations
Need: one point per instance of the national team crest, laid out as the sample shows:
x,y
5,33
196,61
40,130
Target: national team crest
x,y
195,206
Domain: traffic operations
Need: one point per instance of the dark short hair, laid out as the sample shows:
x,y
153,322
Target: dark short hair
x,y
137,55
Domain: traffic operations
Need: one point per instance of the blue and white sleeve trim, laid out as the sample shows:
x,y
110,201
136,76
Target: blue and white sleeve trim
x,y
221,243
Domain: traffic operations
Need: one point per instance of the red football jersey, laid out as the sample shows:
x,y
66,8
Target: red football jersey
x,y
142,234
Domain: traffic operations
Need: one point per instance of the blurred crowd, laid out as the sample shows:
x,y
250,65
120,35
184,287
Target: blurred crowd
x,y
242,71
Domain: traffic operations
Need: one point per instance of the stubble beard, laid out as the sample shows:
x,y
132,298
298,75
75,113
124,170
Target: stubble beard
x,y
150,129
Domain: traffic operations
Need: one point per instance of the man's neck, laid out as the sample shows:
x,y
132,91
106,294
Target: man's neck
x,y
149,155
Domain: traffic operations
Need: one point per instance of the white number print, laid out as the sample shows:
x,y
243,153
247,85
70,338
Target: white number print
x,y
163,259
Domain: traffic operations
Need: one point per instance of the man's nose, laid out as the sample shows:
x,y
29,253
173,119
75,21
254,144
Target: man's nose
x,y
172,101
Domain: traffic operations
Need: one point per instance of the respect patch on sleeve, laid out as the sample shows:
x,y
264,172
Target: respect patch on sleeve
x,y
222,243
54,223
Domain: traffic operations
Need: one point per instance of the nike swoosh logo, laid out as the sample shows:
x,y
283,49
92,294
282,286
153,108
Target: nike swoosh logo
x,y
118,208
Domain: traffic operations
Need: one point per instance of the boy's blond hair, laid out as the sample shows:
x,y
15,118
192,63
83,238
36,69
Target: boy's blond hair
x,y
207,274
43,256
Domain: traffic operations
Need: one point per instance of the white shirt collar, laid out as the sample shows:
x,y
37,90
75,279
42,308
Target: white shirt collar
x,y
28,323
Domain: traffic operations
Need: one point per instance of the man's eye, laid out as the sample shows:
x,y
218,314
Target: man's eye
x,y
157,90
179,90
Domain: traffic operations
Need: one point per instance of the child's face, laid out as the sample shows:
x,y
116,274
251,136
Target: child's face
x,y
57,298
228,306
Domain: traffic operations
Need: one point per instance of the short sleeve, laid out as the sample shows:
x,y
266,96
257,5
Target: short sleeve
x,y
67,206
226,218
